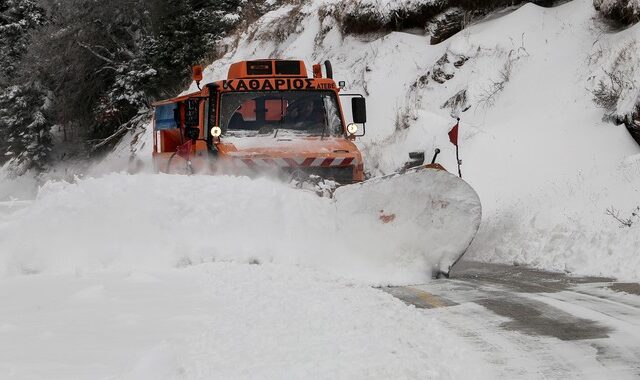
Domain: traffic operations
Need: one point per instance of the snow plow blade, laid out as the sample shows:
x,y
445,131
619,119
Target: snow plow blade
x,y
426,211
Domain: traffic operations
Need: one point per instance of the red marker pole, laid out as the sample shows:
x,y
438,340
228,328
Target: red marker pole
x,y
453,137
458,160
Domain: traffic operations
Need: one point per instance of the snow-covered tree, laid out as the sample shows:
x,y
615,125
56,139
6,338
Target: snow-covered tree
x,y
17,19
25,139
92,66
25,131
107,60
623,11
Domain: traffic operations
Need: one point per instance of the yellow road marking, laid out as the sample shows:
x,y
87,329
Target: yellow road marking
x,y
428,298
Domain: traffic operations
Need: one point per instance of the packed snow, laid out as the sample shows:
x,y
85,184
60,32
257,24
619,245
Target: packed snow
x,y
218,321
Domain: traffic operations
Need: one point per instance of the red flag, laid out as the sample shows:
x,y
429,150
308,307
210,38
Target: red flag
x,y
184,150
453,134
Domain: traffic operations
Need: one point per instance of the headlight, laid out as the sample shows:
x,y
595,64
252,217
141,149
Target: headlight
x,y
352,128
216,131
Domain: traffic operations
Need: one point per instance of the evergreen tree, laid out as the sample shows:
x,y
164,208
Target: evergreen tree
x,y
107,60
17,19
94,66
25,131
185,31
25,137
175,35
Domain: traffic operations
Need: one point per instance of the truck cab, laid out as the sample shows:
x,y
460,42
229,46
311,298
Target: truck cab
x,y
267,115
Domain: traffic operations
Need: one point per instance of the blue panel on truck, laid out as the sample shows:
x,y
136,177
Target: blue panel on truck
x,y
165,117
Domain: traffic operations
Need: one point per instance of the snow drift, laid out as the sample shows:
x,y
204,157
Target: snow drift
x,y
143,222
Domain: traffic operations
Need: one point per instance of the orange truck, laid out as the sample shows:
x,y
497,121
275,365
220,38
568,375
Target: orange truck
x,y
267,115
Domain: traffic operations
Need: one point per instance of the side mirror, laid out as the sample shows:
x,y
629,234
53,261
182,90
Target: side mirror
x,y
359,110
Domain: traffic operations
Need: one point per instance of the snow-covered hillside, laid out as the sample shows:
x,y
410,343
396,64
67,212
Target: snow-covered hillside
x,y
534,145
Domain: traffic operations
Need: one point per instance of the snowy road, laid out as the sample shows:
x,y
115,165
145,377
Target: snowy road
x,y
534,324
226,320
78,303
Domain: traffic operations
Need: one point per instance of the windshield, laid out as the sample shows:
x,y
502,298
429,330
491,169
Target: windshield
x,y
300,112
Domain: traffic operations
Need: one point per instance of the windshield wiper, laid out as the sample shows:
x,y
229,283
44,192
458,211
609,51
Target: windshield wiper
x,y
324,127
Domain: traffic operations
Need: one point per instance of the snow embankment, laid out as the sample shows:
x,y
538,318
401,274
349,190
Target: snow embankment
x,y
543,161
126,222
616,84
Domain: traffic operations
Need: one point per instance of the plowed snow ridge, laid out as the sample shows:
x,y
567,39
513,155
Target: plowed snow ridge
x,y
144,222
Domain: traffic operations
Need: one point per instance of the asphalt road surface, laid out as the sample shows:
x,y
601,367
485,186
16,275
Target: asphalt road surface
x,y
531,324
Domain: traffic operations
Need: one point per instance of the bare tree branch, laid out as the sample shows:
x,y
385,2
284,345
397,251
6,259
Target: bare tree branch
x,y
95,53
624,222
106,68
119,132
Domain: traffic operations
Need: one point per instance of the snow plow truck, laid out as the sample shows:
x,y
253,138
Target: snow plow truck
x,y
271,116
266,115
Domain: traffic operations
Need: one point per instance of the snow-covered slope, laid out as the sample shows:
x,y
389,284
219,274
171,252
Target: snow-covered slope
x,y
533,142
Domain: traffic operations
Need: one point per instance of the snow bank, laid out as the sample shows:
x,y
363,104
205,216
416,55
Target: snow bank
x,y
555,166
135,222
616,84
